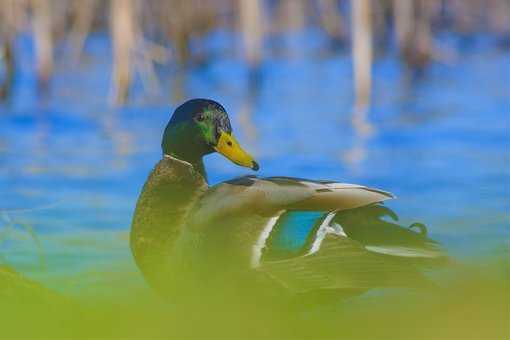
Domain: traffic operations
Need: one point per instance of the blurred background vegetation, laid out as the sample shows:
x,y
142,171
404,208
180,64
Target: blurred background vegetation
x,y
145,34
412,96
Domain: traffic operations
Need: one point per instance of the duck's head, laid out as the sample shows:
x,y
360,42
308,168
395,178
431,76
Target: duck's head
x,y
200,127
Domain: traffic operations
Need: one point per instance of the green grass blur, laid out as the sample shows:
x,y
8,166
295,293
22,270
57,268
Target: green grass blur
x,y
471,302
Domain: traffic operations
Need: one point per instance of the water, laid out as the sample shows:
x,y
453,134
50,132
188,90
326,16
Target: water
x,y
71,167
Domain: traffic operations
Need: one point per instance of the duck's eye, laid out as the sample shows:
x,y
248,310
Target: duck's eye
x,y
200,117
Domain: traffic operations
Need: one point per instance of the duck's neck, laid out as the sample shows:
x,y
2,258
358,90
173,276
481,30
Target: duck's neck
x,y
196,162
167,196
184,143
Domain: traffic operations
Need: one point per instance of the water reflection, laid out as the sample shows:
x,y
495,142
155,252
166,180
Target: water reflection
x,y
121,139
249,104
363,130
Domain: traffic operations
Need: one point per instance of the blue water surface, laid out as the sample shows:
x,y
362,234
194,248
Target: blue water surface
x,y
72,166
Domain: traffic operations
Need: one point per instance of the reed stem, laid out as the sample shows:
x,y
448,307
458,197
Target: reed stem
x,y
362,51
43,38
123,40
252,32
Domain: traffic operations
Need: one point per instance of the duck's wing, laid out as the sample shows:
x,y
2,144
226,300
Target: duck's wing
x,y
290,230
374,227
313,251
342,264
271,196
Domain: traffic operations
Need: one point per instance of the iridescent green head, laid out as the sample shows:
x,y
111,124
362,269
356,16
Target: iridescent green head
x,y
199,127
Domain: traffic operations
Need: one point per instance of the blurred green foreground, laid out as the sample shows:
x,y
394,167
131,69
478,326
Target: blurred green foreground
x,y
473,305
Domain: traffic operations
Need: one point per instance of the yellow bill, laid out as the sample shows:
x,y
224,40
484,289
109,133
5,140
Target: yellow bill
x,y
230,148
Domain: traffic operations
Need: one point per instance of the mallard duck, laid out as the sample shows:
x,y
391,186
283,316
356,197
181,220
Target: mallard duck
x,y
296,234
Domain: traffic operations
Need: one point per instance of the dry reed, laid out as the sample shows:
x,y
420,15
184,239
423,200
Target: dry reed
x,y
143,32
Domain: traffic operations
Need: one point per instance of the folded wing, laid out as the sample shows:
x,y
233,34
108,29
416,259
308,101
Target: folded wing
x,y
269,196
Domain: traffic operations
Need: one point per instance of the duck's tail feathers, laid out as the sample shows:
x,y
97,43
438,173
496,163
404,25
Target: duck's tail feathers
x,y
376,228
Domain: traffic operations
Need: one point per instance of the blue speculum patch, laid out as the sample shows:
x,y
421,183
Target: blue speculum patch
x,y
292,234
